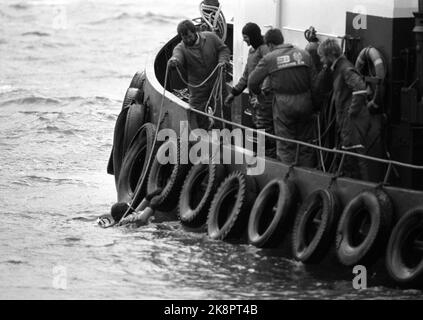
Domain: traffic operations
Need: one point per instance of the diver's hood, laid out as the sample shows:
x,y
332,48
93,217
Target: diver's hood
x,y
254,33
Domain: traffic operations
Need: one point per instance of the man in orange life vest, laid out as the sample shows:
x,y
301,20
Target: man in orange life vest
x,y
291,72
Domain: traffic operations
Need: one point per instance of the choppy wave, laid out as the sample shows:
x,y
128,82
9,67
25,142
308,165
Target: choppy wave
x,y
4,15
36,33
19,6
142,17
40,100
30,100
33,179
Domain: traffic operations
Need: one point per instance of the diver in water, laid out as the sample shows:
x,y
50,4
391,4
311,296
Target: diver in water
x,y
123,214
199,53
262,103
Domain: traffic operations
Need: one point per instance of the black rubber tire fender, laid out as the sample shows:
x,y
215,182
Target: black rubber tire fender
x,y
169,177
315,227
118,151
355,246
195,199
404,255
134,121
135,164
110,166
272,213
230,209
132,95
138,80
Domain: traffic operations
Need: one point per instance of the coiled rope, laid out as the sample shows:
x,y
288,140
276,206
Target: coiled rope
x,y
216,94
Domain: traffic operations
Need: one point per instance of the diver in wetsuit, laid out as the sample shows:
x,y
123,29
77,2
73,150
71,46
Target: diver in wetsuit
x,y
262,103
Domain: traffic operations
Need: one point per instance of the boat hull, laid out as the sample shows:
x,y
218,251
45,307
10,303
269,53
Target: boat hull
x,y
169,111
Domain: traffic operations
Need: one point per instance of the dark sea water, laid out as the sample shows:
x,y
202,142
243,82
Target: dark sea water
x,y
64,68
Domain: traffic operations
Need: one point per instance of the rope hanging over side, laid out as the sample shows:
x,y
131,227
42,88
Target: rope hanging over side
x,y
150,157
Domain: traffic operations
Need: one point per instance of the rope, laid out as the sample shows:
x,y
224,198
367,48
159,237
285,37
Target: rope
x,y
214,18
195,85
320,143
305,144
142,181
301,143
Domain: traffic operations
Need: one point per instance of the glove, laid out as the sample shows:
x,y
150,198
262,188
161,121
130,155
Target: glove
x,y
373,107
266,91
223,66
173,63
229,99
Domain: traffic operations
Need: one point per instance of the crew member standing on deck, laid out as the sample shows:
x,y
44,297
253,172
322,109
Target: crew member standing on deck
x,y
349,99
262,104
291,72
199,54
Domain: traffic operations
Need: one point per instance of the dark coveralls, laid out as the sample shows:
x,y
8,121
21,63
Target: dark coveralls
x,y
262,105
199,61
352,115
291,71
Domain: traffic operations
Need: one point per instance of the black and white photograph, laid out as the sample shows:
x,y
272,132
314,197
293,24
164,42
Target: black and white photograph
x,y
222,152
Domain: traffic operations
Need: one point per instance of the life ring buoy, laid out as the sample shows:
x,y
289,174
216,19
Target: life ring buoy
x,y
134,165
138,81
230,208
315,227
404,258
272,214
168,177
197,193
364,228
370,63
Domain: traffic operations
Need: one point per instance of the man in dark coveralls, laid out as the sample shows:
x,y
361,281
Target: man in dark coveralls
x,y
199,53
349,99
291,72
262,104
